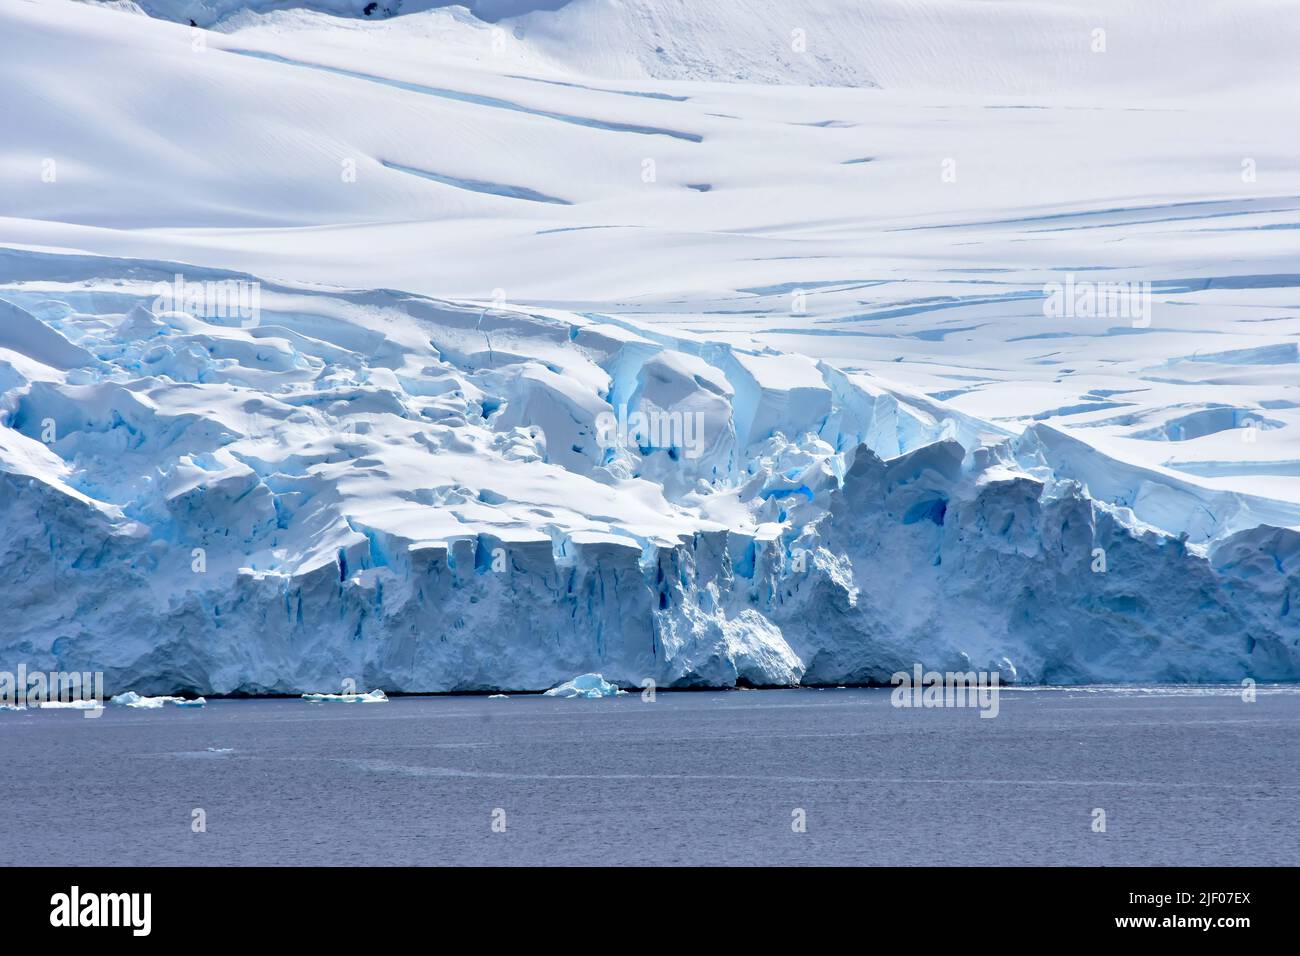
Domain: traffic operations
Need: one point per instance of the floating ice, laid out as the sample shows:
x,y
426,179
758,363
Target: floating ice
x,y
70,705
374,697
590,686
131,699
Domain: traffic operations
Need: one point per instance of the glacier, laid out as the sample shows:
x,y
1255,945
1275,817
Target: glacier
x,y
136,701
645,339
411,493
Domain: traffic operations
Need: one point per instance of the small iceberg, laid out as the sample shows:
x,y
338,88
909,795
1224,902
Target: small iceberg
x,y
134,700
374,697
12,707
70,705
587,686
498,697
140,702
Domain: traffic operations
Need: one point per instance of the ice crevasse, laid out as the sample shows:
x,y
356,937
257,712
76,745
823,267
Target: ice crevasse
x,y
425,496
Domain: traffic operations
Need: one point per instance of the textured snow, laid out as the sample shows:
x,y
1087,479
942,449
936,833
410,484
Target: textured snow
x,y
410,491
138,702
396,473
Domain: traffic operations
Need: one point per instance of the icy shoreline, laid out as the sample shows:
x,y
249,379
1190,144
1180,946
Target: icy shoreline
x,y
671,347
415,497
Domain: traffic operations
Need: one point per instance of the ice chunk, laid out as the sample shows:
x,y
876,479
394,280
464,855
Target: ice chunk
x,y
132,699
589,686
374,697
139,702
70,705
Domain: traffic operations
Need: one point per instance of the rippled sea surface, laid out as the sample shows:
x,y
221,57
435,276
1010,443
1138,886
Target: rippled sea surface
x,y
1184,776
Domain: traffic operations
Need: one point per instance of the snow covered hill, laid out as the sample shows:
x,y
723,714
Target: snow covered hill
x,y
709,343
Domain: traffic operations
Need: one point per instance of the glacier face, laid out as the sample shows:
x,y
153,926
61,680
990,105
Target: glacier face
x,y
425,495
619,467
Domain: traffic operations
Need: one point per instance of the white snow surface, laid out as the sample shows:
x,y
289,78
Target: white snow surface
x,y
471,240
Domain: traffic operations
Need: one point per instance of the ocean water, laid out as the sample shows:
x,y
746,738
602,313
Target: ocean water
x,y
1184,775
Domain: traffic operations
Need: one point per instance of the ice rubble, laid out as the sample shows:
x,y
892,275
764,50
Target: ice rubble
x,y
70,705
374,697
412,494
865,265
587,687
139,702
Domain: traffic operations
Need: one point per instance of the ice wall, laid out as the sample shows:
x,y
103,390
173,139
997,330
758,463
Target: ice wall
x,y
420,496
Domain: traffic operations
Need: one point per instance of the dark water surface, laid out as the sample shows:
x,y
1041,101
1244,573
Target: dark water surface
x,y
1185,776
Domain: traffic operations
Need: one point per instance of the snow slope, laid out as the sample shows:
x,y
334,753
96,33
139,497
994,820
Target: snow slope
x,y
658,207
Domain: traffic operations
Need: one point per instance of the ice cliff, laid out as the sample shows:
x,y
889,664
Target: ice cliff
x,y
427,496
